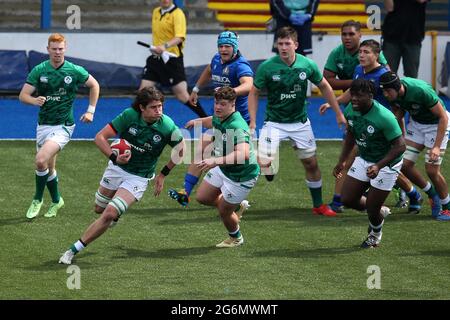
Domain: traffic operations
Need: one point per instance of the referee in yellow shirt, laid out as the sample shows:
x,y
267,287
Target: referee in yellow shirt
x,y
169,34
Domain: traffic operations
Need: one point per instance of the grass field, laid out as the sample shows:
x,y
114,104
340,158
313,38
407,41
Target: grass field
x,y
160,251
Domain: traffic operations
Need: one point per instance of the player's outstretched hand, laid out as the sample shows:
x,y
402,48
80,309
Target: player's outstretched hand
x,y
372,171
341,121
159,184
337,171
434,154
323,108
207,164
87,117
193,98
123,158
190,124
39,101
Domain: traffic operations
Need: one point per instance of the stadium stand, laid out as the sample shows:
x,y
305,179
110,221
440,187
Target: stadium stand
x,y
102,15
253,14
135,15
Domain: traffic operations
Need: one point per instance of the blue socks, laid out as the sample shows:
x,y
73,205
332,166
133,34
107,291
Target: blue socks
x,y
189,183
337,200
413,194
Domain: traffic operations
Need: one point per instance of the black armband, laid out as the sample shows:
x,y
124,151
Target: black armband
x,y
113,158
165,171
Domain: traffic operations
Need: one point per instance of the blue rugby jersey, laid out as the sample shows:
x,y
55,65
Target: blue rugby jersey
x,y
228,74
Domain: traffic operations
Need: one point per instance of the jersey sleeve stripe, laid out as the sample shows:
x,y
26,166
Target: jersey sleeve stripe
x,y
112,127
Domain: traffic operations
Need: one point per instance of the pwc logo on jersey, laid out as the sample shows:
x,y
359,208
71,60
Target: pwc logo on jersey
x,y
68,80
288,96
53,98
276,77
361,141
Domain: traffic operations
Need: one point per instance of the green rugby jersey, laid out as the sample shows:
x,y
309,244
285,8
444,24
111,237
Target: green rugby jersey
x,y
373,131
287,87
147,140
343,64
419,98
227,134
59,86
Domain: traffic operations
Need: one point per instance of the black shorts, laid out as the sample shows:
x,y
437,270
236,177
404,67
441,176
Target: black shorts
x,y
166,74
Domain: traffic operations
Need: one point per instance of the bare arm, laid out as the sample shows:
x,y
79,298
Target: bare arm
x,y
253,97
94,91
171,43
246,84
349,143
239,155
205,77
175,158
101,139
439,111
398,146
204,122
328,94
25,96
177,154
335,83
400,115
345,97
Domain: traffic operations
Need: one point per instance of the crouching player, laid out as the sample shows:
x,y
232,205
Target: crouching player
x,y
380,146
127,176
428,128
233,169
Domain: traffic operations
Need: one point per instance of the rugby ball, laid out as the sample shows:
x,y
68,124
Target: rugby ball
x,y
121,146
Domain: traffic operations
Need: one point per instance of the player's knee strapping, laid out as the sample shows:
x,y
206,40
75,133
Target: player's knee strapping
x,y
306,153
119,204
101,200
439,160
411,154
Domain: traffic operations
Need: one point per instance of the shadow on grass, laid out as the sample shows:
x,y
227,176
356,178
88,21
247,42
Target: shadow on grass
x,y
308,253
53,265
295,214
12,221
174,253
174,210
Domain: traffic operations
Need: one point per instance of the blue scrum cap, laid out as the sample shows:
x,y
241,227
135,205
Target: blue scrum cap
x,y
230,38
